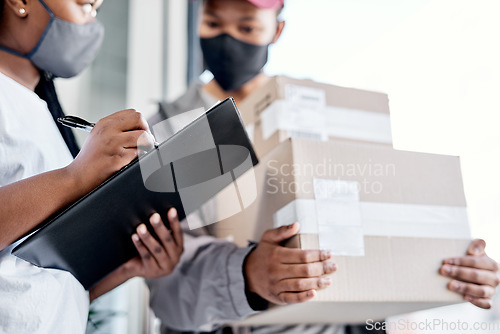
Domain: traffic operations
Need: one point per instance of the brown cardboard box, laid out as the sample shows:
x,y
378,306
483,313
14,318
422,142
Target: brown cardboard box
x,y
389,233
287,107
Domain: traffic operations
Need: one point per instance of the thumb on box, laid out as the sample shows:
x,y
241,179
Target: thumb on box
x,y
280,234
476,247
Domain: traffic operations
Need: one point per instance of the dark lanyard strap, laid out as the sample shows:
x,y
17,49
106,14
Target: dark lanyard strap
x,y
47,92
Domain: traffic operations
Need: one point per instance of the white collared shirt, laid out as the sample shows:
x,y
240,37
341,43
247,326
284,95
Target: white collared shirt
x,y
32,299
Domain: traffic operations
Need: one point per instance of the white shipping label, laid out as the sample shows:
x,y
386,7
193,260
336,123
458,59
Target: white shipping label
x,y
339,217
303,120
284,115
323,122
308,97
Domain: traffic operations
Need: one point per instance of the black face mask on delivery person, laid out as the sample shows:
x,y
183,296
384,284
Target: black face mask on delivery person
x,y
233,62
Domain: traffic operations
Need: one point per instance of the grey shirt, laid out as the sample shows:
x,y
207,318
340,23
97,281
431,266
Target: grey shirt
x,y
207,289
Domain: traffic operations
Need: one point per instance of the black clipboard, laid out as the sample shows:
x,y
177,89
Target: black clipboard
x,y
92,237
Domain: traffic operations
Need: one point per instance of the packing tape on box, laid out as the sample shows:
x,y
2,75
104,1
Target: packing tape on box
x,y
341,224
385,219
334,215
414,220
323,122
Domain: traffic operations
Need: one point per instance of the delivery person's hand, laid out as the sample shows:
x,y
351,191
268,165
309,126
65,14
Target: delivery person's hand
x,y
286,275
113,143
155,258
475,276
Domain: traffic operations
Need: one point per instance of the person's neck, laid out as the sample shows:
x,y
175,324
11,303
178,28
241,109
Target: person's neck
x,y
19,69
240,94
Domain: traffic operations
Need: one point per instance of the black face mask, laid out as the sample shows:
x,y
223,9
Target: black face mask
x,y
233,62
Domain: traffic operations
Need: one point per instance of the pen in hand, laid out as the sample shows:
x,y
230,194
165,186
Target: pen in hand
x,y
76,123
79,123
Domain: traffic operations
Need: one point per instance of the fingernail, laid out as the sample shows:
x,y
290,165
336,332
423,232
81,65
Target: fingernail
x,y
172,213
455,286
142,229
135,237
469,298
311,293
325,281
155,219
330,267
325,254
449,261
290,226
447,269
476,250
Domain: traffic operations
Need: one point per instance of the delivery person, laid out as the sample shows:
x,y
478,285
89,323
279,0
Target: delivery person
x,y
38,175
219,282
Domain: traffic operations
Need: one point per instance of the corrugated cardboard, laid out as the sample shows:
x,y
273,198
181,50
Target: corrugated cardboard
x,y
309,96
398,273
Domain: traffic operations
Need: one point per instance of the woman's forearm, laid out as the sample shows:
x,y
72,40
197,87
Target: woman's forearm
x,y
116,278
27,203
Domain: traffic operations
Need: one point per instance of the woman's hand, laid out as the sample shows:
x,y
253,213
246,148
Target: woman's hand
x,y
155,258
113,143
475,276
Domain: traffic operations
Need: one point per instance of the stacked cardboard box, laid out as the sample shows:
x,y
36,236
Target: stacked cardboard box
x,y
287,107
390,217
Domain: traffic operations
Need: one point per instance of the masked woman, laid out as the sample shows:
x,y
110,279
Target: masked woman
x,y
40,40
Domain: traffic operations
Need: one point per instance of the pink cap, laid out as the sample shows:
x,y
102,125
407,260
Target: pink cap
x,y
268,4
